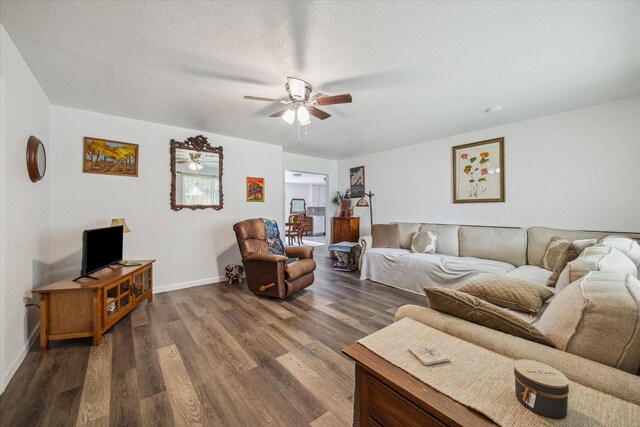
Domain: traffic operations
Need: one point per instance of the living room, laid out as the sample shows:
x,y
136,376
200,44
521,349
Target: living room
x,y
549,91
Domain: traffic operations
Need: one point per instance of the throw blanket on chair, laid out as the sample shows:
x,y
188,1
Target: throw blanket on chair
x,y
272,235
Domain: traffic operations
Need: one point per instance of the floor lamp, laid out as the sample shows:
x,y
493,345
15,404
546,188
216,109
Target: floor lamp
x,y
362,203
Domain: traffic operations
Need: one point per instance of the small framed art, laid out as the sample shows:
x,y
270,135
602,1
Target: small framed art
x,y
357,181
255,189
478,172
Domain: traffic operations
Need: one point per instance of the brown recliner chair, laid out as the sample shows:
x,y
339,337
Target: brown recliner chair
x,y
269,274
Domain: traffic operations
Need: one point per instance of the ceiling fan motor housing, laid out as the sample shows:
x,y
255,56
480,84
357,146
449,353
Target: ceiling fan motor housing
x,y
298,90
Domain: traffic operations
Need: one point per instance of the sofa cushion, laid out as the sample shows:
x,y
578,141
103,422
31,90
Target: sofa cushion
x,y
592,374
424,243
599,258
300,268
507,292
497,243
626,245
405,233
539,238
569,253
475,310
385,235
598,317
554,250
448,243
532,274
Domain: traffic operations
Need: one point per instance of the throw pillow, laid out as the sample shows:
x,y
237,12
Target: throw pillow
x,y
599,258
507,292
555,248
468,307
598,318
570,253
385,236
424,242
626,245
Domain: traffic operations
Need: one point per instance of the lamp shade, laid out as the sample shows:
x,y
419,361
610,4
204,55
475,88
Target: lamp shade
x,y
303,115
289,116
362,203
120,221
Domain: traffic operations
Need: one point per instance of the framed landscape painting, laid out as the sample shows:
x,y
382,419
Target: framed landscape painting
x,y
357,181
108,157
478,172
255,189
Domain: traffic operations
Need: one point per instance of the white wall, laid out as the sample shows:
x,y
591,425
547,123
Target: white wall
x,y
300,163
24,206
191,247
577,169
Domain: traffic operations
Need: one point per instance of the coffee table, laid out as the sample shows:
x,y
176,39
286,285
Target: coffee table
x,y
388,396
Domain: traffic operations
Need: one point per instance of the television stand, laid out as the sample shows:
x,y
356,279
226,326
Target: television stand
x,y
71,309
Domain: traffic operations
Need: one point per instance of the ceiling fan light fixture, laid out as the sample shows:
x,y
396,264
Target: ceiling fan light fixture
x,y
289,116
303,115
298,89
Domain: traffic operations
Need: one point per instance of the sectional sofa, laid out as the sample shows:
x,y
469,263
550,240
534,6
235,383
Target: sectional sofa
x,y
463,251
593,323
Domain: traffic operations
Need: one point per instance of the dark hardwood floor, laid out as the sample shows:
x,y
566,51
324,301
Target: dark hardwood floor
x,y
213,355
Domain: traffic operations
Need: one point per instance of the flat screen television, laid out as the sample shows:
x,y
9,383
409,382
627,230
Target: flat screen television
x,y
100,247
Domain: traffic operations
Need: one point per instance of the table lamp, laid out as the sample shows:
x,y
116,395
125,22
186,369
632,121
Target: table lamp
x,y
120,221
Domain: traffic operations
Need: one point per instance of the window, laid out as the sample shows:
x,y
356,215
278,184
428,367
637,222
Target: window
x,y
199,189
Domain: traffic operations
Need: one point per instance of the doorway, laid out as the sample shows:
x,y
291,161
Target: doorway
x,y
308,191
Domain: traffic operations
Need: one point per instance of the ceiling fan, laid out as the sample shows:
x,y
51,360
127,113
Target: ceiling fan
x,y
195,161
301,104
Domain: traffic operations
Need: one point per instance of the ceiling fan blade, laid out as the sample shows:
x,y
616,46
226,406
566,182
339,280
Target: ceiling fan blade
x,y
279,113
259,98
337,99
315,112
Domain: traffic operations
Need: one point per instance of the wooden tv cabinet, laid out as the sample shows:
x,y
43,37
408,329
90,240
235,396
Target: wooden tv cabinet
x,y
88,307
391,397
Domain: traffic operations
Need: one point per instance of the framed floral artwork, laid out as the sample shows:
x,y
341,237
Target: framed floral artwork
x,y
255,189
478,172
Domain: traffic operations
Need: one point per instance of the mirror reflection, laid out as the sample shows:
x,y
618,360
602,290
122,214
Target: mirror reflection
x,y
196,174
197,180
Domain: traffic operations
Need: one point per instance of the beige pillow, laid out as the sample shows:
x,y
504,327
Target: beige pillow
x,y
626,245
468,307
600,258
597,317
507,292
385,236
424,242
570,253
555,248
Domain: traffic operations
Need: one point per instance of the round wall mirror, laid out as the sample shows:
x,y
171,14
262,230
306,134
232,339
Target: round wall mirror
x,y
36,159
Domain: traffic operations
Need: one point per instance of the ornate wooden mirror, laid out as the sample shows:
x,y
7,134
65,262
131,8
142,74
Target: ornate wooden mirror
x,y
196,174
298,206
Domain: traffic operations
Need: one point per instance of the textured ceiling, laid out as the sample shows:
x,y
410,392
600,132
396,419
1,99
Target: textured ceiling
x,y
417,70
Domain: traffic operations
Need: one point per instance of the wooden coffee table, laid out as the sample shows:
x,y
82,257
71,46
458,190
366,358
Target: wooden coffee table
x,y
390,396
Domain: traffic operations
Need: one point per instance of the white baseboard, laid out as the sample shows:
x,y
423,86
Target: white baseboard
x,y
184,285
15,363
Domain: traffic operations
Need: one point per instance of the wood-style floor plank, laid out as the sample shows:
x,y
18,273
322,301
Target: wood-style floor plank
x,y
214,355
96,393
184,400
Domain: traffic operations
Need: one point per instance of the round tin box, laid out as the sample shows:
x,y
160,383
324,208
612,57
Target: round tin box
x,y
541,388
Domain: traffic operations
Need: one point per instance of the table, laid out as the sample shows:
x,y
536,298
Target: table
x,y
388,396
88,308
347,254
